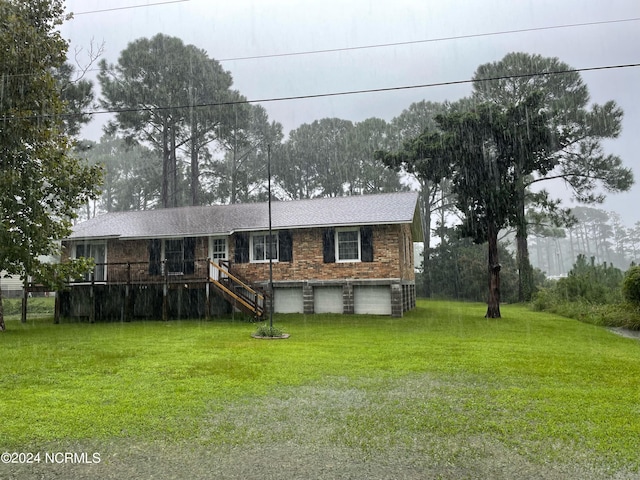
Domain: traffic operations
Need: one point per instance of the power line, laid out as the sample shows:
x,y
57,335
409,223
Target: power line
x,y
129,7
329,94
431,85
372,46
429,40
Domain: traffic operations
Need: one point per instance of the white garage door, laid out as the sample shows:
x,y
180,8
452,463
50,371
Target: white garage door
x,y
327,299
288,300
372,300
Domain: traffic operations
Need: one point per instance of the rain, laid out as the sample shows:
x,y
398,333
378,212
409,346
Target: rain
x,y
408,199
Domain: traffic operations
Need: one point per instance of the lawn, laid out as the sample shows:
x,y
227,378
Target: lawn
x,y
440,393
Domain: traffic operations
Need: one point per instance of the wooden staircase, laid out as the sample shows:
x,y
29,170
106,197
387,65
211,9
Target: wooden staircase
x,y
236,290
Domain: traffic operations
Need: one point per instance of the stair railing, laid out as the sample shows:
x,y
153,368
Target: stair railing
x,y
238,289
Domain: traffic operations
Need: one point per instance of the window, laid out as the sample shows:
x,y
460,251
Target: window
x,y
218,248
348,245
408,250
97,251
262,249
174,254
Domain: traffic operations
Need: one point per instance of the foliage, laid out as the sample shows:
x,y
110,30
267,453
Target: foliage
x,y
77,95
173,83
434,187
485,151
42,185
458,271
266,330
491,150
576,155
591,293
595,233
132,174
36,306
333,157
607,315
241,175
580,126
538,388
631,285
591,283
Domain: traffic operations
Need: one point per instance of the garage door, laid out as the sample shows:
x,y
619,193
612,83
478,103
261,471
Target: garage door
x,y
327,299
288,300
372,300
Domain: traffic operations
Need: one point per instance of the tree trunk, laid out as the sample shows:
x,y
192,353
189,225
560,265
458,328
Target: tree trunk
x,y
571,249
525,270
234,166
425,211
174,167
195,169
2,325
493,302
164,194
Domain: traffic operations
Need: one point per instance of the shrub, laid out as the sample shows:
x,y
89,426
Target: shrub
x,y
590,283
593,293
631,285
264,330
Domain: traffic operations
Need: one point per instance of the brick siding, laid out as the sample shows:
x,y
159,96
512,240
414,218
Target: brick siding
x,y
389,260
392,258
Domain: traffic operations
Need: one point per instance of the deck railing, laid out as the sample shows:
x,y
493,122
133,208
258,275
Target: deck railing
x,y
217,273
145,273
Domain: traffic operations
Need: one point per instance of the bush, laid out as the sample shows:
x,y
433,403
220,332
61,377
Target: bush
x,y
264,330
590,283
593,294
631,285
35,305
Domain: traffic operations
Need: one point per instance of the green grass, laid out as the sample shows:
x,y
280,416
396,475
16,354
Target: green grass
x,y
36,307
442,382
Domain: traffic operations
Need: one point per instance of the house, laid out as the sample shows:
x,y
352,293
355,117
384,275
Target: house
x,y
344,255
11,285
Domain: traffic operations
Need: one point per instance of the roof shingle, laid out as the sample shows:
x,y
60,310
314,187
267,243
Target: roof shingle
x,y
389,208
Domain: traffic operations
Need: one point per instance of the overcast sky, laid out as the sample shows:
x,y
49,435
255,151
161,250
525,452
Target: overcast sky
x,y
449,40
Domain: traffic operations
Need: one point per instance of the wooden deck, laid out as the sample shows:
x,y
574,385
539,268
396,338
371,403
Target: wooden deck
x,y
134,289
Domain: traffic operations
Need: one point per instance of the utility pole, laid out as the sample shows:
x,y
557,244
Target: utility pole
x,y
270,249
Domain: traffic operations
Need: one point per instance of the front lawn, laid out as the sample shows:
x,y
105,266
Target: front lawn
x,y
440,393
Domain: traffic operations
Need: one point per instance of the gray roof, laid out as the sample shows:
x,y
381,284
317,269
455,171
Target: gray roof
x,y
388,208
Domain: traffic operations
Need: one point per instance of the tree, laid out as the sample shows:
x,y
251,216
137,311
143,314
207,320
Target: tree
x,y
492,149
417,119
295,165
77,94
365,173
315,160
334,157
42,185
132,174
241,174
577,158
458,268
163,93
479,151
76,91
